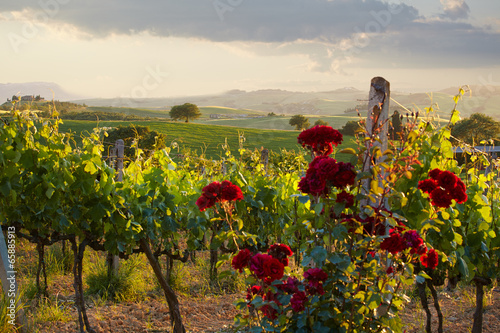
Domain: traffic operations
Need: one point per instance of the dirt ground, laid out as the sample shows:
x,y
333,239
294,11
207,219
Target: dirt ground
x,y
208,312
216,313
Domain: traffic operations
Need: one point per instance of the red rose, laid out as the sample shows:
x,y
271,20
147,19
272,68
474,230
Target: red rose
x,y
458,192
320,139
230,192
256,264
430,259
273,269
241,260
212,190
315,278
427,185
412,239
317,185
346,198
254,290
390,270
447,180
434,174
440,198
280,252
298,301
327,168
345,176
394,243
218,192
290,286
203,203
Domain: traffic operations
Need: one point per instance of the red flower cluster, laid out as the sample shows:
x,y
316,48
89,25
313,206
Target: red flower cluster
x,y
430,259
315,278
280,252
442,187
320,139
298,301
398,242
241,260
218,192
267,267
374,225
324,172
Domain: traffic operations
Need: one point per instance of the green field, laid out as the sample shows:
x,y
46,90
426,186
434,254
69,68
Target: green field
x,y
278,122
206,111
207,139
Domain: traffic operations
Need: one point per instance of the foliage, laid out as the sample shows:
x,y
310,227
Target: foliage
x,y
136,139
299,121
124,285
475,129
351,128
185,111
320,122
364,227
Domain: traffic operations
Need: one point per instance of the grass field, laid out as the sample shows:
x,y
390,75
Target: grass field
x,y
206,111
207,139
278,122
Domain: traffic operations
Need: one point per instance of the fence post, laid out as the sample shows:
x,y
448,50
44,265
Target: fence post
x,y
264,158
117,152
377,126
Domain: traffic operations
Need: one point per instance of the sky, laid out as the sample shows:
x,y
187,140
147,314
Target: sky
x,y
169,48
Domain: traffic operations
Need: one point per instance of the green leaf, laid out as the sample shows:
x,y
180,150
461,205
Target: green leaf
x,y
318,208
462,267
303,199
420,279
319,255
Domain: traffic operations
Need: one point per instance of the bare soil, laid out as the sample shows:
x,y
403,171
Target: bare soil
x,y
206,311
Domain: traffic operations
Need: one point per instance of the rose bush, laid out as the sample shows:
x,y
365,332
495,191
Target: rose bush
x,y
364,234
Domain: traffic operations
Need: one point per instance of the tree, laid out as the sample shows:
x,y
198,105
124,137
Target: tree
x,y
320,122
300,122
350,128
476,128
185,111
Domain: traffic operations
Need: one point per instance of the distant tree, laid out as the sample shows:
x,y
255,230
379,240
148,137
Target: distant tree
x,y
271,114
350,128
15,98
396,126
476,128
320,122
185,111
300,122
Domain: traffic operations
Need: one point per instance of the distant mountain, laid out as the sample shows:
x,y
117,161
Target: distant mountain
x,y
47,90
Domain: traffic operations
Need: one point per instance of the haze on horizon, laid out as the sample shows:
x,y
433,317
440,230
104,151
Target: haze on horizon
x,y
171,48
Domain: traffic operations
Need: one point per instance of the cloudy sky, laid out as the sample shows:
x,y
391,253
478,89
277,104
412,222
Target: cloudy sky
x,y
153,48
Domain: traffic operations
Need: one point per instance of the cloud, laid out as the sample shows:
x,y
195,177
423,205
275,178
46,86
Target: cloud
x,y
455,9
217,20
330,35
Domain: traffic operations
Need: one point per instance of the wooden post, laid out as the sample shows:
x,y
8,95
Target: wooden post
x,y
264,158
119,152
377,126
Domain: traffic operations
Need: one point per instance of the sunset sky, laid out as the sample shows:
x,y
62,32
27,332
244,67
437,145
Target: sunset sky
x,y
165,48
